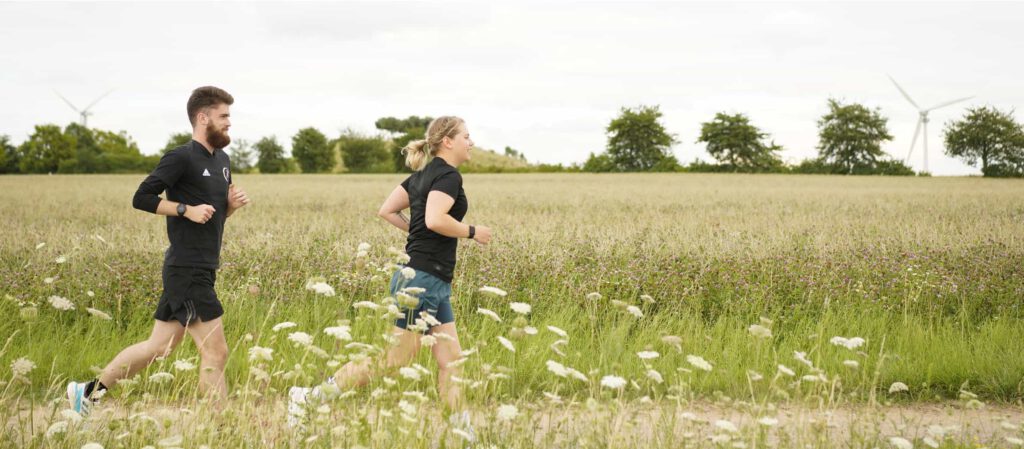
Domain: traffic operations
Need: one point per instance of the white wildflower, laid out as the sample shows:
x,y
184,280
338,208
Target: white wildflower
x,y
413,291
593,296
98,313
754,376
785,370
558,331
759,331
851,363
698,362
655,376
848,343
768,421
408,273
613,382
161,377
489,314
576,374
802,358
727,426
900,443
506,343
342,333
40,245
320,288
494,291
184,365
90,293
363,246
57,428
1015,441
61,303
635,311
410,373
507,412
530,330
557,368
647,299
61,259
647,355
48,280
173,441
897,387
674,341
22,366
367,305
71,416
521,308
283,325
300,338
428,341
257,353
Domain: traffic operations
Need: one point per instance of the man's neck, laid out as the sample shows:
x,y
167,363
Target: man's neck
x,y
202,140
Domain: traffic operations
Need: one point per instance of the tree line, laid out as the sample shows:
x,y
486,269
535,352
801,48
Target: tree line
x,y
850,138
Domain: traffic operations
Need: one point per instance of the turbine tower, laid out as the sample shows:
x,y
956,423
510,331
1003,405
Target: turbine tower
x,y
84,113
922,121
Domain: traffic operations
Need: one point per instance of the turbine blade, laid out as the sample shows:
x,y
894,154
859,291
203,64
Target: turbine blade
x,y
905,94
917,131
67,101
941,105
98,99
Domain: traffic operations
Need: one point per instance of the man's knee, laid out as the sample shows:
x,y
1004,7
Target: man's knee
x,y
214,355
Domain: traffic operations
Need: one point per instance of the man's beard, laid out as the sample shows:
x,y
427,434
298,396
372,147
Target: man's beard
x,y
217,139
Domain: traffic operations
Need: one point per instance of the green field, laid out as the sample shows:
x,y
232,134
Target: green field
x,y
928,271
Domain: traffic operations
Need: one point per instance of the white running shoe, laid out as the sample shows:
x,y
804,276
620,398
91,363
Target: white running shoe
x,y
76,398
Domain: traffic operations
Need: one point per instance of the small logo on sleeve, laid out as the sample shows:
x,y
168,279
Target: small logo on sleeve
x,y
206,172
227,174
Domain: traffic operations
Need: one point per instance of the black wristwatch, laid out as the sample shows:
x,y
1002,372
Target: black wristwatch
x,y
472,231
181,209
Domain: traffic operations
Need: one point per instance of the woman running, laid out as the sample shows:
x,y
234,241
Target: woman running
x,y
437,204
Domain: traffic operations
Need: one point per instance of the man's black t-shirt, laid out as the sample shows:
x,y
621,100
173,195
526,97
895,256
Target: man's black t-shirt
x,y
192,175
429,251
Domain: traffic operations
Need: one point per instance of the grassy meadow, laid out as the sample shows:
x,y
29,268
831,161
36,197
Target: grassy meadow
x,y
670,310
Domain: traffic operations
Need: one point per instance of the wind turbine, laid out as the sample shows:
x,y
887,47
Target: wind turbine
x,y
922,121
85,113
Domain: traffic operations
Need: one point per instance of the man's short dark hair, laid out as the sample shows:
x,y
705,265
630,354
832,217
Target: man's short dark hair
x,y
206,97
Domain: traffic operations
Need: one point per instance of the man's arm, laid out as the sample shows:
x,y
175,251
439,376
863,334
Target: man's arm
x,y
147,199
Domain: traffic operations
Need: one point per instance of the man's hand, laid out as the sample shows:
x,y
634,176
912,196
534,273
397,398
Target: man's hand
x,y
483,234
237,197
200,214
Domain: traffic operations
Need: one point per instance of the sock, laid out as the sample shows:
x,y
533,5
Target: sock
x,y
94,385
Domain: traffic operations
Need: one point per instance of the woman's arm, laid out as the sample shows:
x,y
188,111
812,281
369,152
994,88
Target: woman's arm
x,y
437,218
391,210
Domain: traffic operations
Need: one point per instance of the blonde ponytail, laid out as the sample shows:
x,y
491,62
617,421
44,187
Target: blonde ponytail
x,y
419,152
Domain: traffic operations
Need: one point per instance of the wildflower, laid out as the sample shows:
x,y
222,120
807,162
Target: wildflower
x,y
619,304
674,341
257,353
848,343
698,362
29,313
785,370
802,358
321,288
576,374
428,341
489,314
754,376
557,368
810,378
900,443
507,412
429,319
506,343
727,426
363,247
494,291
98,313
635,311
173,441
647,299
408,273
655,376
61,303
530,330
558,331
40,245
1015,441
184,365
897,387
300,338
851,363
283,325
71,416
647,355
521,308
759,331
48,280
342,333
414,291
613,382
462,434
57,428
61,259
593,296
409,373
768,421
22,366
161,377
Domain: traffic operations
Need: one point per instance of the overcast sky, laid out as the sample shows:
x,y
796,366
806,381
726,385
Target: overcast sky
x,y
544,79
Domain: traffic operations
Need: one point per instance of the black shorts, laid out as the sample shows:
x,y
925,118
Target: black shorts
x,y
188,295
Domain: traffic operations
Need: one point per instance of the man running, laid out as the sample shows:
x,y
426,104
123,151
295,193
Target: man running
x,y
200,197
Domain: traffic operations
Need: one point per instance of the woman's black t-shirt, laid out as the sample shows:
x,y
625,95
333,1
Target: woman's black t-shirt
x,y
429,251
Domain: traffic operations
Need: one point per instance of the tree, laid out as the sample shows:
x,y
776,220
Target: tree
x,y
8,155
271,156
515,154
241,156
991,136
402,132
599,163
851,136
637,141
734,142
45,149
88,156
176,140
310,150
363,154
120,154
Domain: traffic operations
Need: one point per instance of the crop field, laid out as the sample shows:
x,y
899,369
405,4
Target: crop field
x,y
632,310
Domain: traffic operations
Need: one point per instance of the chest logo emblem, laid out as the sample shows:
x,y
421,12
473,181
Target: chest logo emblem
x,y
206,172
227,174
